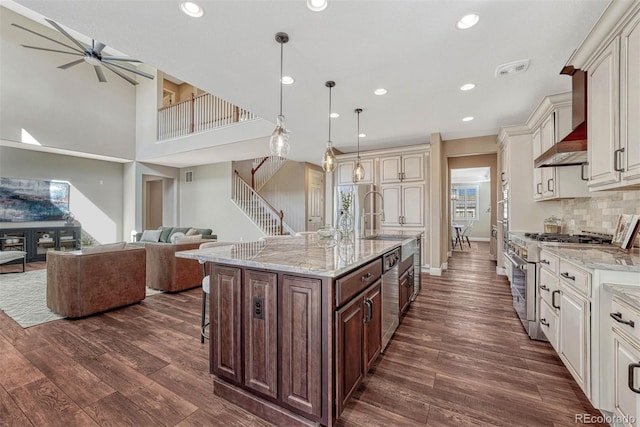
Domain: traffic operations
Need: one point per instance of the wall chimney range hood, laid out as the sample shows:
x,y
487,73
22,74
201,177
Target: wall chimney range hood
x,y
572,150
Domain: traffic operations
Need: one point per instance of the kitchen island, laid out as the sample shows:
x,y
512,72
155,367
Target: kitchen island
x,y
296,323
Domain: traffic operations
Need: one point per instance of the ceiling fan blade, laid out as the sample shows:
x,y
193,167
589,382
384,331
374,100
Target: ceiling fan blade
x,y
100,73
49,38
119,58
71,64
132,70
51,50
67,35
98,47
124,76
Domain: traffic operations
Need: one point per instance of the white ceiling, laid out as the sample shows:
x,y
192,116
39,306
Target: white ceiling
x,y
470,175
412,48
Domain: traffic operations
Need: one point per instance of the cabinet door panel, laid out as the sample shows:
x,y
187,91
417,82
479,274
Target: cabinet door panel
x,y
260,339
547,139
413,205
630,102
225,309
574,336
301,345
373,328
349,346
412,167
345,172
392,209
626,403
602,113
537,172
390,169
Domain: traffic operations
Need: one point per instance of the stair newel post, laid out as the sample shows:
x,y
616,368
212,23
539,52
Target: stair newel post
x,y
193,102
281,217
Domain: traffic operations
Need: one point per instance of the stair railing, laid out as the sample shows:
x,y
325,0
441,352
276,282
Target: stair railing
x,y
263,169
270,220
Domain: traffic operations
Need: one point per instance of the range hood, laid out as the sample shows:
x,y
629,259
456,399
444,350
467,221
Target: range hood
x,y
572,150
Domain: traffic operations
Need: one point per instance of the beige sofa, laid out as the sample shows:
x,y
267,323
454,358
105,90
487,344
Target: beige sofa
x,y
167,272
80,284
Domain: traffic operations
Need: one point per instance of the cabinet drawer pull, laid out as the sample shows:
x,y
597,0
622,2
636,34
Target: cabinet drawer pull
x,y
539,188
544,322
502,177
549,181
366,277
553,299
583,168
368,315
544,288
618,318
632,367
616,160
544,261
568,276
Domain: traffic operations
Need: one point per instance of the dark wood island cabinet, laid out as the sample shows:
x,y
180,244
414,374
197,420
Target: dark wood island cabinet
x,y
292,339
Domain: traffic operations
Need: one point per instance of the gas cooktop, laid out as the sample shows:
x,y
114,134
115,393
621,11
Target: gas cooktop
x,y
590,238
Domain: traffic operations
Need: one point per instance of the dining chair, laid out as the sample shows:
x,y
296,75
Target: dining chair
x,y
465,234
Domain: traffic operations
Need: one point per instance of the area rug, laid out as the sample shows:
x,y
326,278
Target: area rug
x,y
23,297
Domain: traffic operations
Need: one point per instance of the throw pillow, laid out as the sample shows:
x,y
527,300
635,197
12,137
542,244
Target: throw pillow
x,y
150,235
165,232
109,247
187,239
192,232
176,236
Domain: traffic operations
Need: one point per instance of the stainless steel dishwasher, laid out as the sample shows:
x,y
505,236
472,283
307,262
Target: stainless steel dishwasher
x,y
390,295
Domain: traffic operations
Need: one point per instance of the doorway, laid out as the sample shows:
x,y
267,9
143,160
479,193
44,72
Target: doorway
x,y
315,199
153,205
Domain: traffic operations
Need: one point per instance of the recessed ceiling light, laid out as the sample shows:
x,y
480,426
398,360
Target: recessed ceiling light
x,y
362,135
467,86
381,91
467,21
334,115
467,119
317,5
191,9
288,80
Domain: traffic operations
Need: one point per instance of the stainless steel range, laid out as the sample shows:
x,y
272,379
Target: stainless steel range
x,y
524,255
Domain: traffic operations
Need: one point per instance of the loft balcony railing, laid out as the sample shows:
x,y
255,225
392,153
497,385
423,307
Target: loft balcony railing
x,y
198,114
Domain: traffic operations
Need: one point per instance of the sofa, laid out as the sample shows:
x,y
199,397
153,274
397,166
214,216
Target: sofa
x,y
167,272
169,234
96,279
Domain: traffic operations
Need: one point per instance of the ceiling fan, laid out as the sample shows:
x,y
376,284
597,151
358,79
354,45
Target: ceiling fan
x,y
91,55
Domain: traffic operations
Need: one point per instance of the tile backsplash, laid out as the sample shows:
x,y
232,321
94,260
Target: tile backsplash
x,y
599,213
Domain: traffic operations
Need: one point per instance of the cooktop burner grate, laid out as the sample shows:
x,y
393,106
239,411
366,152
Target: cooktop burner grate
x,y
593,239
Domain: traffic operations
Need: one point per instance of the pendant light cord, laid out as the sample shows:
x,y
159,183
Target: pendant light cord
x,y
281,67
358,135
329,114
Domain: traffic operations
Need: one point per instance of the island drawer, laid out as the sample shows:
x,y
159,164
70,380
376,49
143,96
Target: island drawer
x,y
351,284
626,317
577,278
549,261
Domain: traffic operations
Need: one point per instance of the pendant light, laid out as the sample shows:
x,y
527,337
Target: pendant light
x,y
329,159
358,171
279,142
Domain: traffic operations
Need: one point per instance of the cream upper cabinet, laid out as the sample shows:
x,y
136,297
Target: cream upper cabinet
x,y
537,172
409,167
547,139
504,163
345,171
403,205
630,101
613,107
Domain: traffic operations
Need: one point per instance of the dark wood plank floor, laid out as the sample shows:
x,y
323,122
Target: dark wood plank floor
x,y
460,357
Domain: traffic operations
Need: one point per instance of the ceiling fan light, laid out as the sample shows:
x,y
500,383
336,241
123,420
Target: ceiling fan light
x,y
317,5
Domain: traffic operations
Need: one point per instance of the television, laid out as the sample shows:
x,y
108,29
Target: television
x,y
23,200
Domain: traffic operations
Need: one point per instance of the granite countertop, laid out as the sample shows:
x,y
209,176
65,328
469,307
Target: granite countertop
x,y
629,293
305,254
596,257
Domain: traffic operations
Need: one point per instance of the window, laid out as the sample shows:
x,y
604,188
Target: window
x,y
464,202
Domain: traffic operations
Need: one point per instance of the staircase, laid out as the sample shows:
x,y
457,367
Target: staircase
x,y
265,216
263,168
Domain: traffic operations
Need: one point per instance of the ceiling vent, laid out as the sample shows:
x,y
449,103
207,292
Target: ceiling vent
x,y
188,176
515,67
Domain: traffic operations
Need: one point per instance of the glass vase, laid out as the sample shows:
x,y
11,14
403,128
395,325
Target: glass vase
x,y
346,224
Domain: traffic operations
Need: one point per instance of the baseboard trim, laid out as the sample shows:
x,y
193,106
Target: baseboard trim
x,y
479,239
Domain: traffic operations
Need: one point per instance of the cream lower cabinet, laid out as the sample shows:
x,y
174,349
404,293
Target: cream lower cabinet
x,y
626,374
574,343
403,205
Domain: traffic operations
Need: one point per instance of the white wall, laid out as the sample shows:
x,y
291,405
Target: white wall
x,y
286,191
481,227
206,203
96,188
66,109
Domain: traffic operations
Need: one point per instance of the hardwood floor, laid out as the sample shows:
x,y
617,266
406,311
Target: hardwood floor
x,y
460,357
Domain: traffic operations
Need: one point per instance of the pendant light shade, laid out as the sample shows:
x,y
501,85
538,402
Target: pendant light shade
x,y
279,142
329,160
358,171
